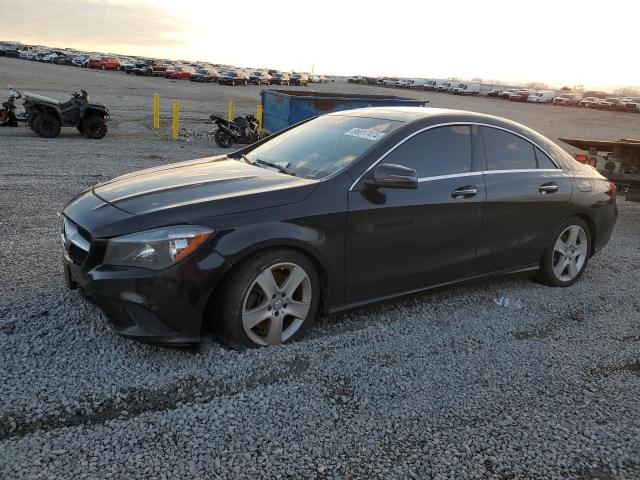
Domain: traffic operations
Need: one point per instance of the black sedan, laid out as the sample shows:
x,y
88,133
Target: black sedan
x,y
339,211
205,75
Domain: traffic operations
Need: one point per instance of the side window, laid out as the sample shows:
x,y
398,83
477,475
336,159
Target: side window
x,y
506,151
441,151
543,160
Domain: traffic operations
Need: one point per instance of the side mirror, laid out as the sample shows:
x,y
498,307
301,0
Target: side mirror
x,y
387,175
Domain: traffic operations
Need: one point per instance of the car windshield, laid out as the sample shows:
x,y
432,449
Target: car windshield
x,y
324,145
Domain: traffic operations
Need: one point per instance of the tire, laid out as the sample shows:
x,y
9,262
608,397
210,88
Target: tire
x,y
257,289
79,127
94,127
46,125
567,255
223,139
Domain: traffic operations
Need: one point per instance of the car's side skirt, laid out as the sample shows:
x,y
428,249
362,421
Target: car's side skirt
x,y
361,303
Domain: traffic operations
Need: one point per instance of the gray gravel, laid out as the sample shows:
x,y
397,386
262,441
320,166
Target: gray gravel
x,y
446,385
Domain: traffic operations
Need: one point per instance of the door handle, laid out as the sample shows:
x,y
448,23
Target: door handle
x,y
467,191
548,187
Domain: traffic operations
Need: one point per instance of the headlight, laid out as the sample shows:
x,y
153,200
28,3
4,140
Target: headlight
x,y
155,249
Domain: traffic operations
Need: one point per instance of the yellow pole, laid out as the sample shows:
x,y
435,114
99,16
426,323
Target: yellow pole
x,y
231,108
156,110
259,115
176,119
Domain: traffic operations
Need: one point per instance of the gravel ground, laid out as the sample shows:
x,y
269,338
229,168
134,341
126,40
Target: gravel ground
x,y
442,385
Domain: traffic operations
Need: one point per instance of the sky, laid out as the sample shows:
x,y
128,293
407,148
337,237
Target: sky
x,y
560,42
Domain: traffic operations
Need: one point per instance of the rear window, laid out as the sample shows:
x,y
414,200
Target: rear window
x,y
324,145
506,151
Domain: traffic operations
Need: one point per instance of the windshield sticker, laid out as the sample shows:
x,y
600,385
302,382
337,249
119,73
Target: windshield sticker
x,y
365,133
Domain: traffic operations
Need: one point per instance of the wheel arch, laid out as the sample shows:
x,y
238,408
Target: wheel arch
x,y
209,316
592,228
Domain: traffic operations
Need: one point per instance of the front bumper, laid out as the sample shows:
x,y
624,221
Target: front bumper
x,y
165,306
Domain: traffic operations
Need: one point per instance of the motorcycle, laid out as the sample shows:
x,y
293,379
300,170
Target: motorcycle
x,y
8,116
244,130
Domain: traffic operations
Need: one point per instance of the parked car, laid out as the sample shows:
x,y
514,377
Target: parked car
x,y
28,53
259,78
589,102
633,105
279,78
389,82
128,65
62,58
610,104
494,92
447,86
104,62
357,79
504,94
314,78
541,96
43,55
261,239
81,60
519,95
205,75
150,67
568,99
11,50
467,88
432,85
180,73
233,77
299,79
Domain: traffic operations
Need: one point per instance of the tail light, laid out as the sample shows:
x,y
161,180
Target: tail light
x,y
582,158
613,192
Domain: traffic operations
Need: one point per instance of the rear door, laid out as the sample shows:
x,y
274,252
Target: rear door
x,y
527,195
399,240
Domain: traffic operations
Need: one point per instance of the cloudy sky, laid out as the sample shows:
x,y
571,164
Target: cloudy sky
x,y
558,42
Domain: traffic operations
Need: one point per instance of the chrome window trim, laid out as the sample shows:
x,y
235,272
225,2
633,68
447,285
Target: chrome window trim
x,y
522,170
450,124
453,175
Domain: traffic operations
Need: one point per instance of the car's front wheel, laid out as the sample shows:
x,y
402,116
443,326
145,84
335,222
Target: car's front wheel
x,y
271,299
567,255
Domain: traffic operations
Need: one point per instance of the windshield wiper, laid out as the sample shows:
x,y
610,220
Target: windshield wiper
x,y
276,166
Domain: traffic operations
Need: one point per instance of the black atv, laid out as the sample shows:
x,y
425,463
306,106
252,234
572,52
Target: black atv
x,y
45,115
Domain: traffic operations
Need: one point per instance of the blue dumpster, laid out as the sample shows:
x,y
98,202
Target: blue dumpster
x,y
282,108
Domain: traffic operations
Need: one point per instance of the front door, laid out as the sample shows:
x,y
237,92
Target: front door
x,y
400,240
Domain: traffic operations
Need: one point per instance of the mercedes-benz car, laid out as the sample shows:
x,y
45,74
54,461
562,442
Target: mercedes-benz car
x,y
336,212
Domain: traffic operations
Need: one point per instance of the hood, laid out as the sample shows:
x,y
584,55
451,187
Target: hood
x,y
206,187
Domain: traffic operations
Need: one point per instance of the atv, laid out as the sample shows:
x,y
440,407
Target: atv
x,y
46,116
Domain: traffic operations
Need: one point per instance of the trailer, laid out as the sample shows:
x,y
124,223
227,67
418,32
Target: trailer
x,y
619,161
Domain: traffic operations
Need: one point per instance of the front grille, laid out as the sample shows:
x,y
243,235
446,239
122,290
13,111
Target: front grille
x,y
76,241
76,254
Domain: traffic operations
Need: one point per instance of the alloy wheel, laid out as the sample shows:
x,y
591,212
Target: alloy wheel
x,y
277,304
570,253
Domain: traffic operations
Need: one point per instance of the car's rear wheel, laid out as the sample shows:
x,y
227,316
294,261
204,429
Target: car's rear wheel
x,y
46,125
271,299
567,255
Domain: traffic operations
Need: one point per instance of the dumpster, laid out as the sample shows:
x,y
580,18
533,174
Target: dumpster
x,y
282,108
